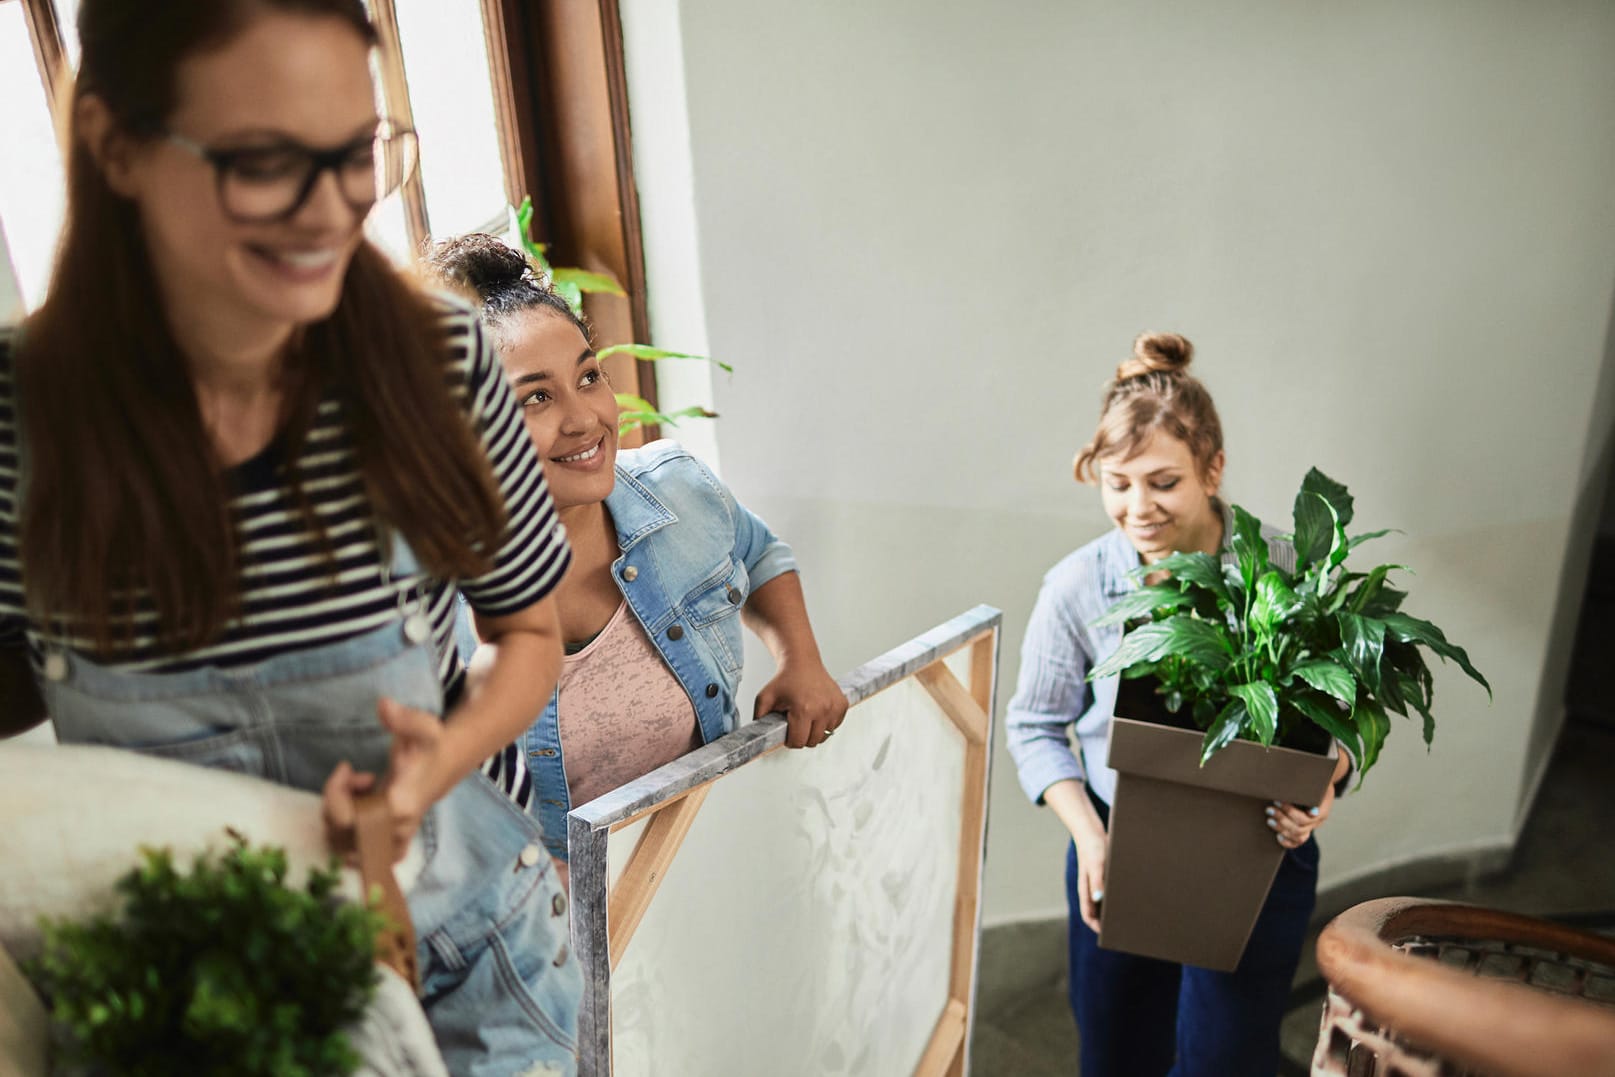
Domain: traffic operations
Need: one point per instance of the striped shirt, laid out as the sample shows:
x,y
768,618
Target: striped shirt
x,y
297,592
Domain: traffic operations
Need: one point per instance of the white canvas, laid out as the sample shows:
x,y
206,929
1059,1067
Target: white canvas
x,y
806,925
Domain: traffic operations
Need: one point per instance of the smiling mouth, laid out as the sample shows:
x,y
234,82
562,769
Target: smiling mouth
x,y
304,261
582,457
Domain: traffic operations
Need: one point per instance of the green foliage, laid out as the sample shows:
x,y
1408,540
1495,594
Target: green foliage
x,y
1273,656
572,284
224,969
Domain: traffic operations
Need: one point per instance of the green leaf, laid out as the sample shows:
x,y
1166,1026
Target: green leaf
x,y
1275,601
1369,589
1327,676
1331,720
1197,569
1185,637
630,402
1373,727
1357,540
1316,482
652,355
572,294
585,280
1363,639
1413,630
1263,707
1315,526
1143,602
1223,730
1250,548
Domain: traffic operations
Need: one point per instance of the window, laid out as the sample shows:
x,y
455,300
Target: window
x,y
508,98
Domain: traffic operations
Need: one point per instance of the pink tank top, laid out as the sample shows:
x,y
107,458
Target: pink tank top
x,y
621,712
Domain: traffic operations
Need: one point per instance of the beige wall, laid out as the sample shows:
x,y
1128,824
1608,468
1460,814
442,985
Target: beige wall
x,y
927,230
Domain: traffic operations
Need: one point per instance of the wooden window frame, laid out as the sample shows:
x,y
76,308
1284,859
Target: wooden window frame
x,y
50,55
561,97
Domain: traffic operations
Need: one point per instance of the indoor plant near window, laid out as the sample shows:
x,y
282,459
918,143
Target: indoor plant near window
x,y
1235,678
571,284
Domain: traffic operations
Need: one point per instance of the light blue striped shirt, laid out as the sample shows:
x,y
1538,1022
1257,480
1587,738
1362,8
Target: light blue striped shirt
x,y
1052,692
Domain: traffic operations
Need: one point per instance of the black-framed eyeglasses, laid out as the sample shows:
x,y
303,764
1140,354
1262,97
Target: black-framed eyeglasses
x,y
260,184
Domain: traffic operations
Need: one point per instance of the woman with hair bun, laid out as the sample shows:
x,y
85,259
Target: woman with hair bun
x,y
1158,459
666,565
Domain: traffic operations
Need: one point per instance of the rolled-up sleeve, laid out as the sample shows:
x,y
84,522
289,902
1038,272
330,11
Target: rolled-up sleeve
x,y
1051,692
764,553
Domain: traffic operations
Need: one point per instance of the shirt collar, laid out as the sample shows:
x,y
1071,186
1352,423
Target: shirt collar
x,y
635,510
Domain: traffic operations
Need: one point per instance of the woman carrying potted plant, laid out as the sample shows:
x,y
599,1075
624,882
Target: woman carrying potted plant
x,y
1158,458
666,566
245,469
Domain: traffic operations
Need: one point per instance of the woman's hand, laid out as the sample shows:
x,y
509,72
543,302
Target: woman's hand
x,y
1293,824
1069,800
810,699
1092,852
413,783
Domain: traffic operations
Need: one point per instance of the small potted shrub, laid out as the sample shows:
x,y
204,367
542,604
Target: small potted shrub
x,y
1240,681
224,969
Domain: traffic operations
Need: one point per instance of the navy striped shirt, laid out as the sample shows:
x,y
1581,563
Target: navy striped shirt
x,y
297,592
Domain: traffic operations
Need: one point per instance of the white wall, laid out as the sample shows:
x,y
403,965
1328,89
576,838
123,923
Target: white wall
x,y
11,306
928,229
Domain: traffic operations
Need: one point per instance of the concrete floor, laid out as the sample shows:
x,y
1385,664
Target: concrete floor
x,y
1564,868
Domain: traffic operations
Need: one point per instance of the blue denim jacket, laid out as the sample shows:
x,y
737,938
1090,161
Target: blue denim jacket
x,y
691,555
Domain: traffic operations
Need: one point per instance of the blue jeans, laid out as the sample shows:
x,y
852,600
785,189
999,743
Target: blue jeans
x,y
1141,1017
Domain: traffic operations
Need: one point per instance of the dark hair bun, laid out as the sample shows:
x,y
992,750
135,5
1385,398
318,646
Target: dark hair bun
x,y
482,263
1165,352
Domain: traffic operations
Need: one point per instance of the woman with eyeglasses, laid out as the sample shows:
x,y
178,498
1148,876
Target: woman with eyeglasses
x,y
245,469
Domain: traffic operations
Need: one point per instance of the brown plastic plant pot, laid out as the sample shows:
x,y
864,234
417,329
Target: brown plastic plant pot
x,y
1191,856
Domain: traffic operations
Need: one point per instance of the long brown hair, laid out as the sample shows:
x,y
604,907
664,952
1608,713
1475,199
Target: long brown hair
x,y
123,492
1153,390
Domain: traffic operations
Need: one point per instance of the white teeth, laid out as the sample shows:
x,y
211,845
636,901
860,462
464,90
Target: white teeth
x,y
588,454
306,259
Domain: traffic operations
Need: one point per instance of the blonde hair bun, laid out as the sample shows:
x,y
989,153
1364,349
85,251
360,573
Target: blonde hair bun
x,y
1168,353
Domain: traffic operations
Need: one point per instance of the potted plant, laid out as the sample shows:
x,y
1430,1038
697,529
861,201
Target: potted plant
x,y
1240,682
221,969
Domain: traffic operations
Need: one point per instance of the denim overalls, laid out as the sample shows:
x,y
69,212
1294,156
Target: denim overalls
x,y
498,982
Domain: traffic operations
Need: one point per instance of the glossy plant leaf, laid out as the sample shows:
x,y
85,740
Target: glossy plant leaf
x,y
1336,724
1223,730
1189,638
1315,524
1262,706
1189,570
1250,548
585,280
1412,629
1363,639
1157,599
1316,482
648,354
1330,678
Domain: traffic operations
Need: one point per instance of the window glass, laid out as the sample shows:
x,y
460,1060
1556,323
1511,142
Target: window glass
x,y
31,190
446,63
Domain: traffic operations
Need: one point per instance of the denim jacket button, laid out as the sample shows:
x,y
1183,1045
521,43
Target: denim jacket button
x,y
558,904
530,855
630,573
676,632
712,691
